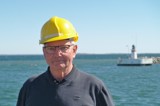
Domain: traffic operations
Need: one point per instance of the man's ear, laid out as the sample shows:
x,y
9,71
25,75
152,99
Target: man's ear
x,y
44,53
75,50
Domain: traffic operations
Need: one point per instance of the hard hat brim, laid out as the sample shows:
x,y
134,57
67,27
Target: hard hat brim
x,y
75,38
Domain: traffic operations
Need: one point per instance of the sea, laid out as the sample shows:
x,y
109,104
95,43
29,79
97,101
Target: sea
x,y
128,85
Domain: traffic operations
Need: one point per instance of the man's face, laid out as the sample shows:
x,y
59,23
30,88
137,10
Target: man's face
x,y
59,55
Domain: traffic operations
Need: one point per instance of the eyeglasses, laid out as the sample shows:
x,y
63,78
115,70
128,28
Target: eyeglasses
x,y
52,49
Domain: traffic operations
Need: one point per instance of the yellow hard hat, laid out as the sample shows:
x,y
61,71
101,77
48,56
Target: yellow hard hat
x,y
57,29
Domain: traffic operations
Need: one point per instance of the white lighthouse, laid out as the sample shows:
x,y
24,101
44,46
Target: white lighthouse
x,y
134,60
133,52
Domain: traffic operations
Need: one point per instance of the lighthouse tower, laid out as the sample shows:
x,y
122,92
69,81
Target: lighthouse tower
x,y
133,52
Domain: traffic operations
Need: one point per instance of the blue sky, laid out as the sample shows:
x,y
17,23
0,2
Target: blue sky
x,y
104,26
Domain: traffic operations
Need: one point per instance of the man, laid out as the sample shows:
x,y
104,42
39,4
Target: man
x,y
62,84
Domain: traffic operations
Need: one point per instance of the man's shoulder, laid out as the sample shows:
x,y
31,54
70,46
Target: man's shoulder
x,y
90,78
35,79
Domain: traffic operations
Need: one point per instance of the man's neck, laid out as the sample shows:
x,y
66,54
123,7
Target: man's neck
x,y
60,74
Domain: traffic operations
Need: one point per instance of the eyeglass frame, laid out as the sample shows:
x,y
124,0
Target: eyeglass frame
x,y
61,48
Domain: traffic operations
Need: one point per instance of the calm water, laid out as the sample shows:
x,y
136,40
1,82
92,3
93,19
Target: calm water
x,y
129,86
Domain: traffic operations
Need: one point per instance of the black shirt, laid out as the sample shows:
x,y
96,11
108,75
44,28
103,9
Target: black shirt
x,y
76,89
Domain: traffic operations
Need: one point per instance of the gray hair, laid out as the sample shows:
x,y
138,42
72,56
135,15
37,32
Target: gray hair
x,y
72,41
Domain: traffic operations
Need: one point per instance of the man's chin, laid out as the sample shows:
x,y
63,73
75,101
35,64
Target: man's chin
x,y
60,67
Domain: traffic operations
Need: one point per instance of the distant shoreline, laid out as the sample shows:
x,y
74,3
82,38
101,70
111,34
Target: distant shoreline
x,y
85,54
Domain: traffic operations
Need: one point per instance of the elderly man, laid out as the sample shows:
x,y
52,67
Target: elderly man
x,y
62,84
